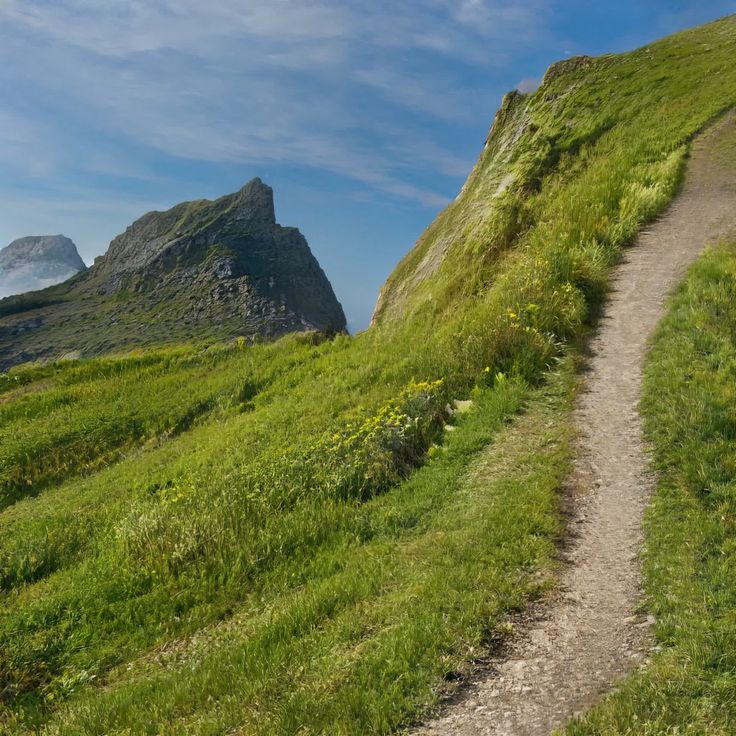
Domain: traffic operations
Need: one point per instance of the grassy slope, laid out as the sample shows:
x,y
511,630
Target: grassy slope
x,y
689,400
333,650
279,548
81,416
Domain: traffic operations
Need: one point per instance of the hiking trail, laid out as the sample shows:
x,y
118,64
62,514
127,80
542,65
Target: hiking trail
x,y
591,633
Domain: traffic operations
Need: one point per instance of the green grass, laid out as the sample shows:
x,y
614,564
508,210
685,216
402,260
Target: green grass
x,y
324,639
83,415
690,411
285,536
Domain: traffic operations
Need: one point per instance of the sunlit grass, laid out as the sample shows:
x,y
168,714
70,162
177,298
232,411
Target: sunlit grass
x,y
355,630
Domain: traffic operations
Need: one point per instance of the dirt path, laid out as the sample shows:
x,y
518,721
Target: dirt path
x,y
591,635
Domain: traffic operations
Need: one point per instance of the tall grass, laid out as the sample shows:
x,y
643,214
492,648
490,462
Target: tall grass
x,y
351,632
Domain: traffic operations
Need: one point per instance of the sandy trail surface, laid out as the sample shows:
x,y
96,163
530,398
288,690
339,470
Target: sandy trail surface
x,y
591,634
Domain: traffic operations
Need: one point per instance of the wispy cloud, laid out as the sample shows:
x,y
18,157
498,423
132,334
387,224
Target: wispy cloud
x,y
438,96
284,81
23,147
529,84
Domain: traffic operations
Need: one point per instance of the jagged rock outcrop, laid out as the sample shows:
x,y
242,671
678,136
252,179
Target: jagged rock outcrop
x,y
201,270
565,66
36,262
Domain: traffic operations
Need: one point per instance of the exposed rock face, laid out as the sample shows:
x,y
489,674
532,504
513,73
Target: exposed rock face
x,y
565,66
36,262
202,269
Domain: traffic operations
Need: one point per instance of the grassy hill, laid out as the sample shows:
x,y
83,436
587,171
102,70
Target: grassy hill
x,y
304,537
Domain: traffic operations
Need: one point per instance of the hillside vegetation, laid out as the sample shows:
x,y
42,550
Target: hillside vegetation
x,y
302,537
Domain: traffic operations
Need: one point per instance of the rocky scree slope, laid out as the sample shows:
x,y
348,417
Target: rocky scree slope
x,y
201,270
36,262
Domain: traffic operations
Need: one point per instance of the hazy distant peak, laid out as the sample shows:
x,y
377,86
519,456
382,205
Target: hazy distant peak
x,y
37,261
34,248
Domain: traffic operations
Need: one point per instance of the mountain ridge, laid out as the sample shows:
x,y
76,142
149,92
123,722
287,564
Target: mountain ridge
x,y
199,270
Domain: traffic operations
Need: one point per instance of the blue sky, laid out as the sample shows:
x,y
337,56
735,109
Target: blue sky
x,y
365,117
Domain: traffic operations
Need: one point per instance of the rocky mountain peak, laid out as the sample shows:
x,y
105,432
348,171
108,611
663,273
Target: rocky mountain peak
x,y
26,250
206,269
254,204
37,261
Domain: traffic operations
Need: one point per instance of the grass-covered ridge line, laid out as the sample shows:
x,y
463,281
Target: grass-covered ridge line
x,y
268,515
688,404
569,173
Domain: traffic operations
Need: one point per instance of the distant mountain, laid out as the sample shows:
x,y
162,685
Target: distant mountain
x,y
36,262
201,270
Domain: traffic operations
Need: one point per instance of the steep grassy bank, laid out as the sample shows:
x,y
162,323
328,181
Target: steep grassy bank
x,y
690,686
254,570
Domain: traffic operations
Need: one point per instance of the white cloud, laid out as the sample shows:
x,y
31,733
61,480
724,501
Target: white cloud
x,y
25,279
285,81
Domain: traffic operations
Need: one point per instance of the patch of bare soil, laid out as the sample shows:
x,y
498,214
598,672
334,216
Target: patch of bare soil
x,y
592,634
